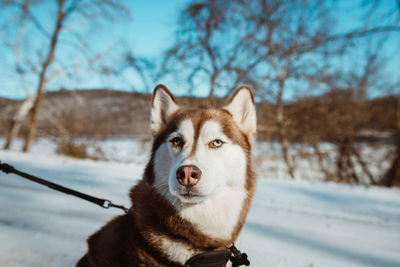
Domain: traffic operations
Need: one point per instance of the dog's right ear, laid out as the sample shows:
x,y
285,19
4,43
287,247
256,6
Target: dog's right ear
x,y
163,106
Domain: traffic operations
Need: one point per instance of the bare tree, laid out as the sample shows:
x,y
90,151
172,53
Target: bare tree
x,y
144,68
342,114
17,120
67,13
274,46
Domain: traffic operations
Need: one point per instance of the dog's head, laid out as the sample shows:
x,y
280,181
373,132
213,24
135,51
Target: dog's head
x,y
198,154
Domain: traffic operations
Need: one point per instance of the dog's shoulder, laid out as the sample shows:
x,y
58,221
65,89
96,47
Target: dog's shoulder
x,y
114,244
119,244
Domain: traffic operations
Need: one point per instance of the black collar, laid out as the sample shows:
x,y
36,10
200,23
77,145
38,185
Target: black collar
x,y
218,258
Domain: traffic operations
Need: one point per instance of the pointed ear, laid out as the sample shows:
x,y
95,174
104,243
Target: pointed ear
x,y
163,106
241,106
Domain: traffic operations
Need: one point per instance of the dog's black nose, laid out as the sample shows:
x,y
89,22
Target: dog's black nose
x,y
188,175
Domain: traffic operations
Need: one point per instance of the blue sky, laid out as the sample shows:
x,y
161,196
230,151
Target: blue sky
x,y
153,24
148,33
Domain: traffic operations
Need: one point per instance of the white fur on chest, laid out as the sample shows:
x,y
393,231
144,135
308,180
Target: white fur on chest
x,y
218,216
177,251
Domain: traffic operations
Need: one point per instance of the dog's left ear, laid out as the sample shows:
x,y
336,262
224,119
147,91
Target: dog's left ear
x,y
163,106
241,106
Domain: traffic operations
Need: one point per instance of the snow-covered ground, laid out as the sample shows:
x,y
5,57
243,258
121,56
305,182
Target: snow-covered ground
x,y
291,222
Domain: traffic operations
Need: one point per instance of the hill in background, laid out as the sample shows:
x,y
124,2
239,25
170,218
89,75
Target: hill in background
x,y
108,113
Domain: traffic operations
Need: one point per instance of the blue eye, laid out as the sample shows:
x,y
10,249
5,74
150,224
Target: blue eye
x,y
216,143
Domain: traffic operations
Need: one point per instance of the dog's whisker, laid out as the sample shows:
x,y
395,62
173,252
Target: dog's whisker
x,y
161,186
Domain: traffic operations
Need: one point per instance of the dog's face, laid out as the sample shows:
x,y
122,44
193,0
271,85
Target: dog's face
x,y
199,154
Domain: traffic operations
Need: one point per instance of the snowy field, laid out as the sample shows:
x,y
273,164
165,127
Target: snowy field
x,y
291,223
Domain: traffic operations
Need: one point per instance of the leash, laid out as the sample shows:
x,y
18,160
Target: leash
x,y
104,203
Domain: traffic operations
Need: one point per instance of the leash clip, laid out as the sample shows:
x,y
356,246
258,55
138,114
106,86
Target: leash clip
x,y
106,204
238,258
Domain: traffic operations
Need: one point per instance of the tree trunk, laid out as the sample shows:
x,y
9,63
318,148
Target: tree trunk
x,y
328,174
282,125
283,136
392,176
286,153
212,85
17,120
42,78
346,171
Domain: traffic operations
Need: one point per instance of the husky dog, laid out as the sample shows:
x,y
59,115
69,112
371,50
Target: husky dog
x,y
196,189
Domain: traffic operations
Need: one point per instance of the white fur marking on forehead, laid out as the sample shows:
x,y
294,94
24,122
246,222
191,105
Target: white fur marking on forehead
x,y
212,129
186,129
243,111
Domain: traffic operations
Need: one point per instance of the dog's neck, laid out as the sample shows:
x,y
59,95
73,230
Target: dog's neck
x,y
217,216
179,235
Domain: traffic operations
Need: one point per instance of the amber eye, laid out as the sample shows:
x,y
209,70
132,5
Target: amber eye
x,y
177,142
215,143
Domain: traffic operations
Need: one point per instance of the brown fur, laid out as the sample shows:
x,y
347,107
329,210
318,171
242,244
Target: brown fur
x,y
133,239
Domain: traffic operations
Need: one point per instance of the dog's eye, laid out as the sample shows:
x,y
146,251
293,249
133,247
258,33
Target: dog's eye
x,y
215,143
177,142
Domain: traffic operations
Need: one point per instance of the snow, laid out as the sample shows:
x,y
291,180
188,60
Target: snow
x,y
291,222
297,223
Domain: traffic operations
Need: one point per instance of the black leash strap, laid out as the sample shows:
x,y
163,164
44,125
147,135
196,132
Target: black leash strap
x,y
104,203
